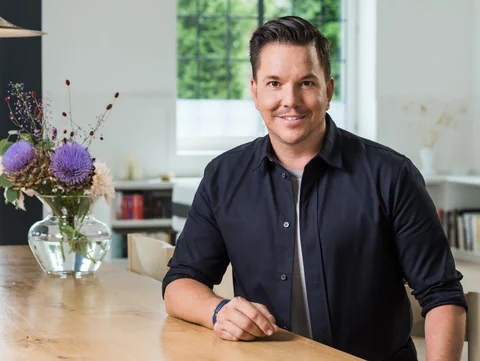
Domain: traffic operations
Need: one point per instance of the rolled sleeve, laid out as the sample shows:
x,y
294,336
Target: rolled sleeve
x,y
425,256
200,251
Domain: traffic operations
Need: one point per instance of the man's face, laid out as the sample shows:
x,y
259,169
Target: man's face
x,y
291,93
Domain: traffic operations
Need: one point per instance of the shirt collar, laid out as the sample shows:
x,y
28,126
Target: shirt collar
x,y
331,151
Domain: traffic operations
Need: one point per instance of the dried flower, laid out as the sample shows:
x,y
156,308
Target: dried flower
x,y
42,161
102,182
18,156
71,163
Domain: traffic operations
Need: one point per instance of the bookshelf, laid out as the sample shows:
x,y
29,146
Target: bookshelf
x,y
458,199
448,193
141,223
140,206
148,184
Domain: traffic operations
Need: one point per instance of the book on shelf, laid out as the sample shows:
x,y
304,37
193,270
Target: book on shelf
x,y
462,227
142,205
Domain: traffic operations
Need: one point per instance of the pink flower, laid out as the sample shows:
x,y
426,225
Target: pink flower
x,y
102,183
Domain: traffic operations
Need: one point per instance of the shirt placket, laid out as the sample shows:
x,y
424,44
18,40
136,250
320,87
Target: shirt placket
x,y
313,258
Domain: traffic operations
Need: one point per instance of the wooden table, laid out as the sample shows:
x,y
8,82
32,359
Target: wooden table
x,y
115,315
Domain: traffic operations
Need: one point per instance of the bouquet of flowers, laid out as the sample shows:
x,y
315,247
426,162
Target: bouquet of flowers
x,y
53,163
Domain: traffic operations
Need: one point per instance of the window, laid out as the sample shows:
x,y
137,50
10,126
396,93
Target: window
x,y
214,107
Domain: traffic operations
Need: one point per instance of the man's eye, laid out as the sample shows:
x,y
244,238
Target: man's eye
x,y
308,83
274,83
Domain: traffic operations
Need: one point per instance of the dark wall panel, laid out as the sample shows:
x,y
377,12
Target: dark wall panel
x,y
20,61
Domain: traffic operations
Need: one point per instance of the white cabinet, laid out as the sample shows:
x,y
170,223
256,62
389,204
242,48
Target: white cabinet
x,y
459,197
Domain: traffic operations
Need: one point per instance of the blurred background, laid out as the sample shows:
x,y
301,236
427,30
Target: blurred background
x,y
406,73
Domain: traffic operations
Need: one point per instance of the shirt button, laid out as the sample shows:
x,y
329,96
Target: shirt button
x,y
285,327
286,224
270,159
283,277
284,175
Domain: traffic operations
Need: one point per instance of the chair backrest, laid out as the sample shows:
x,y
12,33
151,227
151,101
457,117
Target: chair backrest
x,y
225,288
150,256
472,334
473,325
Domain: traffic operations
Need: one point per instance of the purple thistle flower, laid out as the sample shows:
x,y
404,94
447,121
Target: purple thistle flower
x,y
71,163
18,156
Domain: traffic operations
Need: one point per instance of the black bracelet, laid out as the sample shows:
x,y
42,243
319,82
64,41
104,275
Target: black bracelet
x,y
217,310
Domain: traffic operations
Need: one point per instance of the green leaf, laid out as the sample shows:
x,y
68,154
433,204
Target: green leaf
x,y
27,137
4,182
49,144
11,195
4,145
69,231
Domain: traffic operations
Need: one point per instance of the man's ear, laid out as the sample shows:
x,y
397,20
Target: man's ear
x,y
330,91
253,90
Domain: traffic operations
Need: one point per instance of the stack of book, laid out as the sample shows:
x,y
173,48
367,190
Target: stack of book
x,y
143,205
462,227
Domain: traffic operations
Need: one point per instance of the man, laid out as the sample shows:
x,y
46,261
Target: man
x,y
321,226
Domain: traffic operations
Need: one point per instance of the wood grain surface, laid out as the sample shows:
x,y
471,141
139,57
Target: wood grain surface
x,y
115,315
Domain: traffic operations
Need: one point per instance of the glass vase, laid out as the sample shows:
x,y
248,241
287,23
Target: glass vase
x,y
69,240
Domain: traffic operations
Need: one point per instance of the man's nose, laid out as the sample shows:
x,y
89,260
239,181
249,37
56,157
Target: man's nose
x,y
290,96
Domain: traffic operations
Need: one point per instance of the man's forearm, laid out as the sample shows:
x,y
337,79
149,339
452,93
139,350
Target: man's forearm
x,y
445,333
191,301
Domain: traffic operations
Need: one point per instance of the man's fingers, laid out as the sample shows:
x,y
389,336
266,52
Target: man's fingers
x,y
254,314
245,323
227,336
244,320
264,310
230,331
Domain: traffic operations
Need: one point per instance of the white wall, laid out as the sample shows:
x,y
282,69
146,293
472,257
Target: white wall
x,y
476,83
104,47
425,66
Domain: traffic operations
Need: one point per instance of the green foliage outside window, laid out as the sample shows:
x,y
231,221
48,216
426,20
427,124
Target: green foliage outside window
x,y
213,36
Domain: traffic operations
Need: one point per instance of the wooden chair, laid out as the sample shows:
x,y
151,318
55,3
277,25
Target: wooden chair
x,y
472,334
150,256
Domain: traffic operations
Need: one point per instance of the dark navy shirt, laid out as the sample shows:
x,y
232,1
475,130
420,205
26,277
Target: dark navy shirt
x,y
367,225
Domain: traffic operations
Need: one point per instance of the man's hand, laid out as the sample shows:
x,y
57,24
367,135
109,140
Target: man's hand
x,y
243,320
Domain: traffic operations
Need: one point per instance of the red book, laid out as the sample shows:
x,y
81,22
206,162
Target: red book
x,y
137,206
